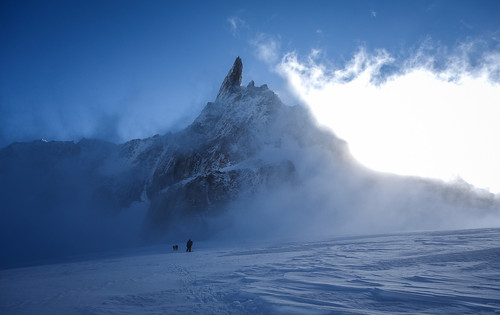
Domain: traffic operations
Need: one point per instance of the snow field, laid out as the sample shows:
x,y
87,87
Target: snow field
x,y
452,272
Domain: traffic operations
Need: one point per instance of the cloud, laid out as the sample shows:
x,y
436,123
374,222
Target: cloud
x,y
267,48
373,13
432,114
496,36
236,24
466,25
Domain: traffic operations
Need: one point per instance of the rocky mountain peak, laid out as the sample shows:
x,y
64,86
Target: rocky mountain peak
x,y
233,79
246,146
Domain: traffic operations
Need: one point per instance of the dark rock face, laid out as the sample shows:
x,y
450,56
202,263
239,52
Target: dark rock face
x,y
233,78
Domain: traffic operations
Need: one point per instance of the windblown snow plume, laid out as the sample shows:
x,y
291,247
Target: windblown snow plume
x,y
431,115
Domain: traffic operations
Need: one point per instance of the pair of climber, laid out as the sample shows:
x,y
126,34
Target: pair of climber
x,y
188,246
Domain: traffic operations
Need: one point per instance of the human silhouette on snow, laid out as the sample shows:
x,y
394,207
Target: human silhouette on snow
x,y
188,246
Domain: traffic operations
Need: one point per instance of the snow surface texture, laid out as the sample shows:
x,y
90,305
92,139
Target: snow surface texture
x,y
451,272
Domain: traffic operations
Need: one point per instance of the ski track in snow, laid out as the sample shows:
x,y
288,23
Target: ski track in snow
x,y
455,272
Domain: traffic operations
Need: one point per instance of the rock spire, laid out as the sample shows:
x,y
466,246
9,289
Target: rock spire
x,y
233,79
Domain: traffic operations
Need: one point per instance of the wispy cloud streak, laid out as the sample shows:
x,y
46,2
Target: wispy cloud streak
x,y
236,24
267,47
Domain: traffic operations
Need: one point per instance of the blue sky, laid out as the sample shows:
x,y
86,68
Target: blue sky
x,y
119,70
127,69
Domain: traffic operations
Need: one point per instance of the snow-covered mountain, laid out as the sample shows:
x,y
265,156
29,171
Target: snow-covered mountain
x,y
240,142
246,149
244,142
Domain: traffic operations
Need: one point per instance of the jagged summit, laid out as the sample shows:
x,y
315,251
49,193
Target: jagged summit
x,y
233,78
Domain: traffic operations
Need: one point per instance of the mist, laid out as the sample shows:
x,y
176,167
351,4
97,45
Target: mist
x,y
55,206
313,213
116,118
431,113
331,199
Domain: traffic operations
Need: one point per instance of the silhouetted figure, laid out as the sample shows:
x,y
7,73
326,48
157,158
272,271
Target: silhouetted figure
x,y
176,247
188,246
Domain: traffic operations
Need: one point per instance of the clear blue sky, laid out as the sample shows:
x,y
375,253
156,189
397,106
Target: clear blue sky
x,y
118,70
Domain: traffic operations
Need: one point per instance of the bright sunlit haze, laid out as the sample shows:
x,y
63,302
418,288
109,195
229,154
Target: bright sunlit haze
x,y
419,121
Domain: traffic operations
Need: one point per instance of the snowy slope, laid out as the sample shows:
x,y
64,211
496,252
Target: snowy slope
x,y
452,272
